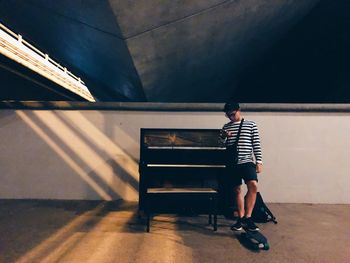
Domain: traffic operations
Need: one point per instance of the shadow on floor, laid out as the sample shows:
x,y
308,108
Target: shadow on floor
x,y
91,231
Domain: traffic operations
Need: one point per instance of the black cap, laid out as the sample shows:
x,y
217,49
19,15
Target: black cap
x,y
231,106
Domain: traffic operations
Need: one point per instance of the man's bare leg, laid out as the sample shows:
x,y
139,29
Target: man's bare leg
x,y
250,197
240,206
240,201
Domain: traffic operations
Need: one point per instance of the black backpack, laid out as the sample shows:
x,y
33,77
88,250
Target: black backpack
x,y
261,213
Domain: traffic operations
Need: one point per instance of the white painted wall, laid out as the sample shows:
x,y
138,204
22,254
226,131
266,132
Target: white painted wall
x,y
94,154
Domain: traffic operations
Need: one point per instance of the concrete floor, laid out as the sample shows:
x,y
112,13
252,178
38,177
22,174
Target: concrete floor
x,y
80,231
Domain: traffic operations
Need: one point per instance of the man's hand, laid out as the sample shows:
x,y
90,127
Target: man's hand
x,y
223,134
258,168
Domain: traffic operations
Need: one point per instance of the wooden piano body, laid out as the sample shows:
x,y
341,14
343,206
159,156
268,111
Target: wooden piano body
x,y
177,167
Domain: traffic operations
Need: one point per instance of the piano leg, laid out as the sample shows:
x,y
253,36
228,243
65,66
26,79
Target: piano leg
x,y
148,216
210,210
215,201
148,222
213,211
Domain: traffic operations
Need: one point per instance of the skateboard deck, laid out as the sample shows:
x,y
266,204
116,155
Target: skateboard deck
x,y
256,239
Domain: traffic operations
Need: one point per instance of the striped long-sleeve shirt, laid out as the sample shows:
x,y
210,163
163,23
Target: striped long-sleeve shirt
x,y
249,142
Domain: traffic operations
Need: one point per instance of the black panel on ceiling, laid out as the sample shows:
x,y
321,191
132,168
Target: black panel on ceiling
x,y
310,64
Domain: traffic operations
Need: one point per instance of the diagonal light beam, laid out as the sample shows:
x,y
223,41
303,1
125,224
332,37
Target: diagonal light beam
x,y
55,147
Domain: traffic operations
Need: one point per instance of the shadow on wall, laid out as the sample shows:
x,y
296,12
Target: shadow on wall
x,y
104,166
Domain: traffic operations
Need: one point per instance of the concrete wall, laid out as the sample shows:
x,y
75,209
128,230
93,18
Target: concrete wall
x,y
90,154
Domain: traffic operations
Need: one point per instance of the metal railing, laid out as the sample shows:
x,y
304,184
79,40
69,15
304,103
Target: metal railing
x,y
80,89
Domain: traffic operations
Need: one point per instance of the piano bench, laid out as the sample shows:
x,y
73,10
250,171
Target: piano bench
x,y
207,194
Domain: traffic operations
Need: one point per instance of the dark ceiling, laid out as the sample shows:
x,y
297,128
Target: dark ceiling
x,y
185,51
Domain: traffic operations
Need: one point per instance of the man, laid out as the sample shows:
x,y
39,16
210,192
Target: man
x,y
249,163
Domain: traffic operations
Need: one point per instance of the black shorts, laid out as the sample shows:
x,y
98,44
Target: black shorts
x,y
245,171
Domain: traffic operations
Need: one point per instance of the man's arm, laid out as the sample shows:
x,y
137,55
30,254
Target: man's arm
x,y
223,135
257,148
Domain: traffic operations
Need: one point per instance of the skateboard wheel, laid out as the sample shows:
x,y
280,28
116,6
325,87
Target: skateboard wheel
x,y
266,246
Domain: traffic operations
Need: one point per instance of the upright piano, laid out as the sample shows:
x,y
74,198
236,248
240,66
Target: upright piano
x,y
176,161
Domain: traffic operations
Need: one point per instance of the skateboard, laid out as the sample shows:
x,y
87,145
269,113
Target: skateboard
x,y
256,239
